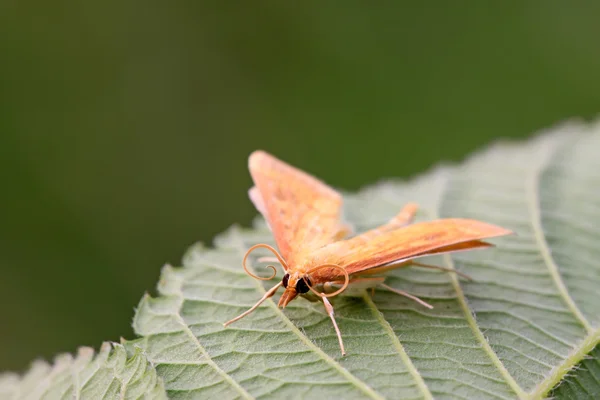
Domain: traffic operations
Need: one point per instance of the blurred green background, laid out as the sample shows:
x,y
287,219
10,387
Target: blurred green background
x,y
125,126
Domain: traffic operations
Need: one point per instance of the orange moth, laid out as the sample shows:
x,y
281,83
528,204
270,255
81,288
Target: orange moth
x,y
304,215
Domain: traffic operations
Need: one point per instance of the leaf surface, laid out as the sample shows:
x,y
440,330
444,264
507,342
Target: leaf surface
x,y
530,315
110,374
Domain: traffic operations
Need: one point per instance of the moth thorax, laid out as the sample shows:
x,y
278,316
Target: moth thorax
x,y
298,282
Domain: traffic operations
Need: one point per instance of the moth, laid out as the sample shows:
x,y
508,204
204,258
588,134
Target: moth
x,y
319,261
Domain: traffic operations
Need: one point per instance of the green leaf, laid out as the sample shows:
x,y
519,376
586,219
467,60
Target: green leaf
x,y
108,375
530,315
583,382
527,326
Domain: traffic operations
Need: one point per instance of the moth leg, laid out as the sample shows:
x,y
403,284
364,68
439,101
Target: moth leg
x,y
405,294
270,293
418,264
329,309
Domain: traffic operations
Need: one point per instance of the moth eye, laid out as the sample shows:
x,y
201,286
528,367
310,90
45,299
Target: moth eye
x,y
285,280
301,286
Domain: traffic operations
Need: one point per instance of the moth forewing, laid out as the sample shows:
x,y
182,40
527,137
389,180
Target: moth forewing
x,y
416,240
411,260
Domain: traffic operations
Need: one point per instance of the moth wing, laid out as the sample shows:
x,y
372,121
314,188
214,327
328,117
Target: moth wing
x,y
257,200
303,212
358,254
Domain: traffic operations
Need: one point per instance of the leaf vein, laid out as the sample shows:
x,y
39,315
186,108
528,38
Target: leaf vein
x,y
534,206
209,360
399,348
529,322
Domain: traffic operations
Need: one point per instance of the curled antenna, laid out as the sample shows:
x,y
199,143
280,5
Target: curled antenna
x,y
270,248
344,272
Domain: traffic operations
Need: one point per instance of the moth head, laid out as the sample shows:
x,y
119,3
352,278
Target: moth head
x,y
294,285
298,283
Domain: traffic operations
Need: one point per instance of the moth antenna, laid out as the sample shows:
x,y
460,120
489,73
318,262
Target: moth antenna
x,y
405,294
270,248
270,293
418,264
346,280
329,309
